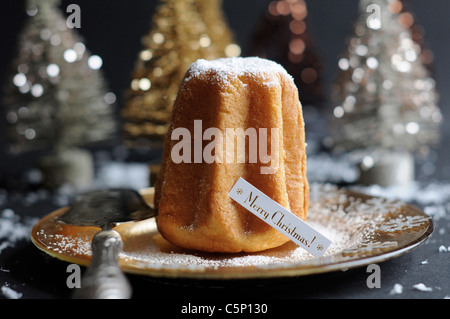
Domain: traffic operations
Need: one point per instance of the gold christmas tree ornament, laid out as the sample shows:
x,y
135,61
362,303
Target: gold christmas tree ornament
x,y
182,32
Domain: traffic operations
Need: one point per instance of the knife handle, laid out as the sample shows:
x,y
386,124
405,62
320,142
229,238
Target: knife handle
x,y
103,279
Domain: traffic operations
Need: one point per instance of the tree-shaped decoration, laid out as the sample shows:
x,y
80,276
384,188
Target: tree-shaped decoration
x,y
182,32
384,96
56,98
385,99
217,28
283,36
407,19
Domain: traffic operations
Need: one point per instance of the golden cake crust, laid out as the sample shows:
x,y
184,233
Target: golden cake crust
x,y
194,209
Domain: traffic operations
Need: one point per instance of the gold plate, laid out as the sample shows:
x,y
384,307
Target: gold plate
x,y
364,230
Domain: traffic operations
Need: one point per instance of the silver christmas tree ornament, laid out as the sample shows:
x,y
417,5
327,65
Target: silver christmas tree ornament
x,y
385,98
56,97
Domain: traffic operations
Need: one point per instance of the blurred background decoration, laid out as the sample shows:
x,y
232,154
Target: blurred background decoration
x,y
385,99
183,31
284,35
56,97
374,110
406,18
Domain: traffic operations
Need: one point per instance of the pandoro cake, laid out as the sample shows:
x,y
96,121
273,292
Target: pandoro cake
x,y
250,95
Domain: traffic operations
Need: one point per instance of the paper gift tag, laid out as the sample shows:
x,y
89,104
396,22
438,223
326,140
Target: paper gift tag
x,y
279,218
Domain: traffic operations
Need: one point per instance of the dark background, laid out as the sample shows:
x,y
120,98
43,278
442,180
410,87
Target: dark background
x,y
113,29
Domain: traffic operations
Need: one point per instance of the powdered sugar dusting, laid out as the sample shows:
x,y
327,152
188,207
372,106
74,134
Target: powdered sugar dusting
x,y
66,244
347,222
225,69
153,257
358,226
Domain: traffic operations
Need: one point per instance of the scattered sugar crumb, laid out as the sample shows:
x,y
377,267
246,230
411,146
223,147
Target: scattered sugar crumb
x,y
14,228
396,290
422,287
10,293
442,249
